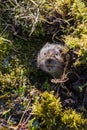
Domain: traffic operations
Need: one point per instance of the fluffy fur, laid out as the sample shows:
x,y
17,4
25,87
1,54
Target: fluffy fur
x,y
51,60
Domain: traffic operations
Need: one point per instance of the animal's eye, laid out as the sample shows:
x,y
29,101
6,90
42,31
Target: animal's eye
x,y
60,51
56,54
44,53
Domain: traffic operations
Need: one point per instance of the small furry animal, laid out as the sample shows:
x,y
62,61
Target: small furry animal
x,y
51,59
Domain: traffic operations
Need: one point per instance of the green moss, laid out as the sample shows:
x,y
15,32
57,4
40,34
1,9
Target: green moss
x,y
79,45
73,120
48,111
23,31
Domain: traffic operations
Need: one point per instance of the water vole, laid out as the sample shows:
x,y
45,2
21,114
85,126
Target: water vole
x,y
51,59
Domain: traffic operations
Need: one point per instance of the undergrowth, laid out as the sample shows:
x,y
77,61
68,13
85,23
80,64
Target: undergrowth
x,y
49,114
24,27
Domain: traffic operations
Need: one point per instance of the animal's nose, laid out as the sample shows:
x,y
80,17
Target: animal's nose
x,y
49,60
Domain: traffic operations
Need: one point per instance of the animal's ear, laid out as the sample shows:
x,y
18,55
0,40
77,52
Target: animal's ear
x,y
47,44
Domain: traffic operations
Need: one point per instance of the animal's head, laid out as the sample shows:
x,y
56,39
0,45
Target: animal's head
x,y
50,59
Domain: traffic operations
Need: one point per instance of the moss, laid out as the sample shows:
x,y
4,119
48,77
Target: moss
x,y
24,27
47,109
73,120
79,45
49,112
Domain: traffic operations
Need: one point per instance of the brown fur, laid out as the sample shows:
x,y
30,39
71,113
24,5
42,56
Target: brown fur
x,y
51,60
